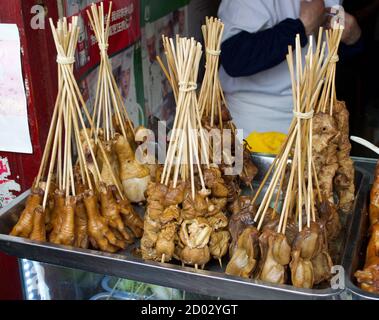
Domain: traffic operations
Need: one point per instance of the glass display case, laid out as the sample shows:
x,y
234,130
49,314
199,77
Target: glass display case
x,y
43,281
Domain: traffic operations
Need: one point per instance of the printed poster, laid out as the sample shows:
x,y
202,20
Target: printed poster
x,y
14,127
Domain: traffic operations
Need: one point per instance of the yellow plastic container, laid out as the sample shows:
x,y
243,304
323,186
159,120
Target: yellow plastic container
x,y
265,142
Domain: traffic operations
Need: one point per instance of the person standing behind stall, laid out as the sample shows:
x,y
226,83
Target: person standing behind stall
x,y
254,72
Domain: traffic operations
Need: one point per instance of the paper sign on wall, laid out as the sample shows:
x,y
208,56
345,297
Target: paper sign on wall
x,y
14,128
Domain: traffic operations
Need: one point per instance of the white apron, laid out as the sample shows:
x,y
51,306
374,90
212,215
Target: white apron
x,y
267,113
262,102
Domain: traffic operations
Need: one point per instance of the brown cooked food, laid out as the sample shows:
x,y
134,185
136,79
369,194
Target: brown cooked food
x,y
246,254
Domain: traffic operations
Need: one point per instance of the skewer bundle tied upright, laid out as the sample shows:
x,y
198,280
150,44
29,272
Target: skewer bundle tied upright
x,y
67,209
111,120
214,111
213,178
162,217
181,217
286,230
211,99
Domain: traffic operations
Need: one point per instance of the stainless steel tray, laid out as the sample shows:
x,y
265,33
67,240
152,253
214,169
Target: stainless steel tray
x,y
356,252
212,282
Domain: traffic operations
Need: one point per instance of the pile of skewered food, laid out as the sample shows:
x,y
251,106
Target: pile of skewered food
x,y
368,278
73,202
185,217
288,229
186,220
215,117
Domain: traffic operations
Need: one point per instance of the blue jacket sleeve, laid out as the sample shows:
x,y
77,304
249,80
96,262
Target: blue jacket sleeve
x,y
246,54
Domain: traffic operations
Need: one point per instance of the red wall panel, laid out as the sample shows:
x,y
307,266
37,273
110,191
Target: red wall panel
x,y
40,75
10,286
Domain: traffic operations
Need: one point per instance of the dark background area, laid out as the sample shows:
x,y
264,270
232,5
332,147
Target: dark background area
x,y
357,82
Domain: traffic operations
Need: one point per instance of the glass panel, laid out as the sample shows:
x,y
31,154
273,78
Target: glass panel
x,y
49,282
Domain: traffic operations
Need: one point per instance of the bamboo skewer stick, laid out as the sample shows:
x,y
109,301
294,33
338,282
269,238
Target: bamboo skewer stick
x,y
285,209
279,190
49,138
81,151
52,162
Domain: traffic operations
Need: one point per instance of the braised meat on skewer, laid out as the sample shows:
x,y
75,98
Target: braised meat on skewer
x,y
275,256
322,262
193,208
195,236
243,212
325,143
329,216
374,199
39,229
165,245
161,222
245,256
218,221
216,205
215,182
81,224
233,185
271,222
135,176
101,236
345,175
249,170
110,210
219,244
311,263
368,278
175,196
24,226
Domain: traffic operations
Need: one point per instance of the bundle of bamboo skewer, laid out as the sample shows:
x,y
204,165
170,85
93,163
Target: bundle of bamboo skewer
x,y
211,98
289,213
109,113
215,113
224,145
187,122
113,125
308,91
64,207
184,218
